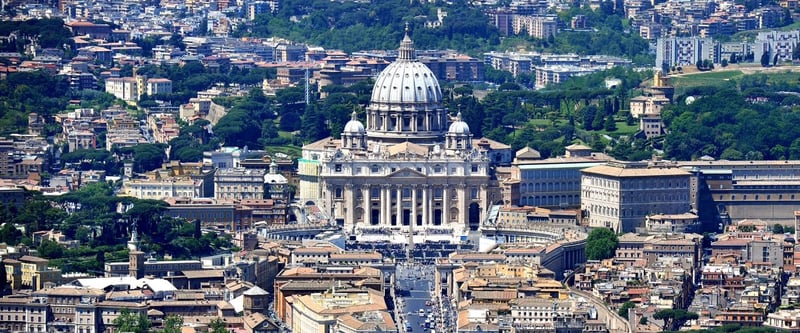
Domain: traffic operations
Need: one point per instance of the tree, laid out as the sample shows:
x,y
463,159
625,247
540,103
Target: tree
x,y
674,318
10,235
50,249
314,127
217,326
601,244
172,324
610,125
643,320
623,310
132,322
3,279
777,229
724,63
290,122
599,120
765,59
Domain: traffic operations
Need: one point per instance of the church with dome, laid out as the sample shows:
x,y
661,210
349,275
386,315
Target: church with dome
x,y
414,173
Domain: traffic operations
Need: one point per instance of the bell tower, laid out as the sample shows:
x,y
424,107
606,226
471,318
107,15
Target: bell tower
x,y
135,256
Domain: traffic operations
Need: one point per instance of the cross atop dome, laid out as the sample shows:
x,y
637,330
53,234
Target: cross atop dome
x,y
406,51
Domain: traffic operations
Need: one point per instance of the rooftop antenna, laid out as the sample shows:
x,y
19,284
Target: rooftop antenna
x,y
308,94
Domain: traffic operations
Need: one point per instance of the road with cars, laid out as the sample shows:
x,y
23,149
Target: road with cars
x,y
416,308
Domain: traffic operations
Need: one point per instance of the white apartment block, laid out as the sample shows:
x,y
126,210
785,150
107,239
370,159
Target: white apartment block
x,y
780,43
683,51
124,88
535,26
620,195
556,74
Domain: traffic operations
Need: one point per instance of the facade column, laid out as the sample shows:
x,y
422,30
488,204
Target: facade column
x,y
427,120
413,219
484,203
425,205
399,208
462,204
329,205
350,205
385,204
367,206
445,205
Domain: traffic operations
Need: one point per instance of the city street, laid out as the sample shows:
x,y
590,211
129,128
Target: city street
x,y
414,284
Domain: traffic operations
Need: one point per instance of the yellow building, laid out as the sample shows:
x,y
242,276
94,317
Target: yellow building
x,y
35,273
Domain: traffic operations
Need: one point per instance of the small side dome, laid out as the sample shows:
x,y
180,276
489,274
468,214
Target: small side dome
x,y
354,126
458,126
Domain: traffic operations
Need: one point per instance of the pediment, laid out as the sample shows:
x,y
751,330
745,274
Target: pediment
x,y
407,149
406,173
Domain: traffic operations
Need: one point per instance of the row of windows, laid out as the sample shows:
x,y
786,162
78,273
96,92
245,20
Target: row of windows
x,y
550,200
377,169
757,197
641,183
551,186
551,174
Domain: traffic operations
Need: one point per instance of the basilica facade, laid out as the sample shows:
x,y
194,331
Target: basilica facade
x,y
413,173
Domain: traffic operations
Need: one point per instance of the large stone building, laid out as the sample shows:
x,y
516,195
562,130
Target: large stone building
x,y
619,195
765,190
410,171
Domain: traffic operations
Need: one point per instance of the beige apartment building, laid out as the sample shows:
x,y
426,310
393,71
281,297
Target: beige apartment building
x,y
318,313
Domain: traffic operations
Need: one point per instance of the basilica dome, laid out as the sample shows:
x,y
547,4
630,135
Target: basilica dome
x,y
406,81
406,102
